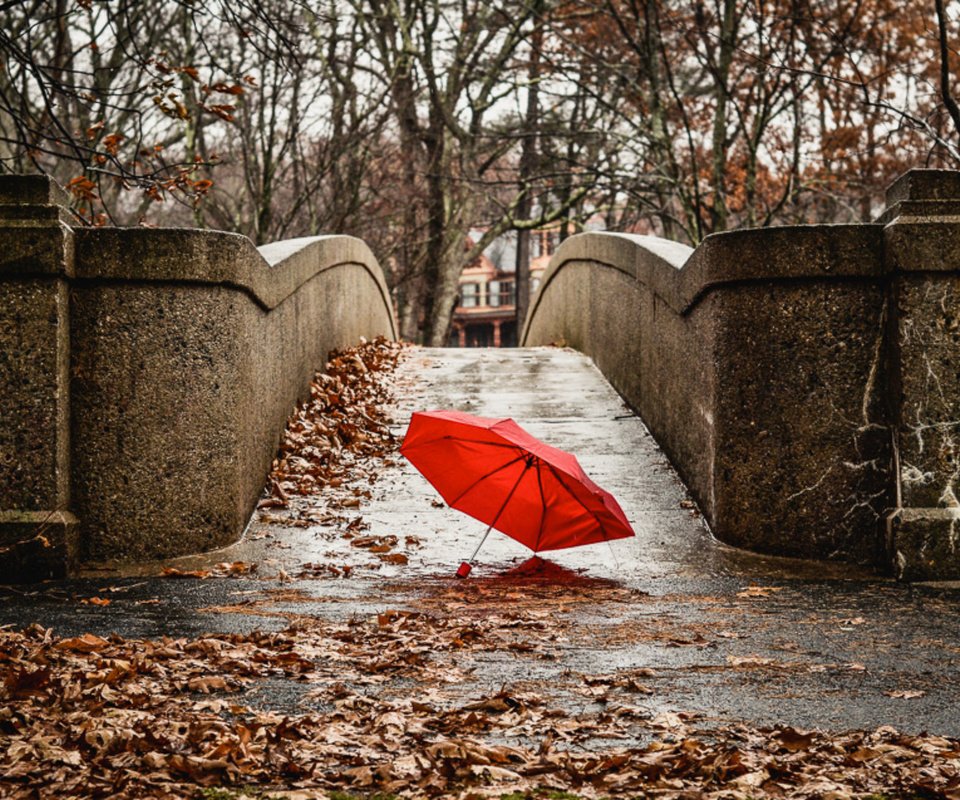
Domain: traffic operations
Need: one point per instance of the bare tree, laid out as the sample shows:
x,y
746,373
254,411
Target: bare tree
x,y
109,96
455,76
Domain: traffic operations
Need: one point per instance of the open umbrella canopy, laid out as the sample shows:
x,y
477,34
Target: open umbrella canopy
x,y
498,473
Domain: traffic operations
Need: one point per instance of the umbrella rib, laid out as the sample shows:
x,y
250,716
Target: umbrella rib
x,y
482,478
570,491
543,505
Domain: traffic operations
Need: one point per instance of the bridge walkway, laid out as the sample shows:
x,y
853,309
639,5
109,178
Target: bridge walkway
x,y
721,635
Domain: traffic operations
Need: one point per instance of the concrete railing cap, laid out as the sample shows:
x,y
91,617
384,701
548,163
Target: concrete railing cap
x,y
269,274
681,276
36,190
925,184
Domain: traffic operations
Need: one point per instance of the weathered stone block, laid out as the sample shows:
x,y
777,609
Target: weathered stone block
x,y
929,391
37,545
161,397
34,401
924,543
802,449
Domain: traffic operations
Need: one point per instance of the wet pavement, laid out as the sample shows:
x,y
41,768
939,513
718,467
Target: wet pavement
x,y
718,635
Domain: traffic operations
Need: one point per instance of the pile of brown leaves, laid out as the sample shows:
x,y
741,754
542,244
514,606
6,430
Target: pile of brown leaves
x,y
342,425
88,716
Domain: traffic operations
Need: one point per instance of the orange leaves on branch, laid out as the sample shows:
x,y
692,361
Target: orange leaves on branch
x,y
222,110
111,142
167,69
83,189
181,183
154,193
174,109
94,130
226,88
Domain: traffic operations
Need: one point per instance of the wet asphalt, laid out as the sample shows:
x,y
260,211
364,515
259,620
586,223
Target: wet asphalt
x,y
721,635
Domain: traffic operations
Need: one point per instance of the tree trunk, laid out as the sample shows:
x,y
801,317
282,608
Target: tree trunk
x,y
719,142
528,167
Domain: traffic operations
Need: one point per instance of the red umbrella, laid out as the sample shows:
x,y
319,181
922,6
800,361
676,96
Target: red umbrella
x,y
498,473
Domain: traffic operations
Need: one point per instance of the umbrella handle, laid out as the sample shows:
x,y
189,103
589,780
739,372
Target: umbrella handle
x,y
465,566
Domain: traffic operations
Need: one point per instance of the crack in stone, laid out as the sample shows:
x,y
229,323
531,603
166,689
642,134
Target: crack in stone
x,y
812,487
868,388
866,503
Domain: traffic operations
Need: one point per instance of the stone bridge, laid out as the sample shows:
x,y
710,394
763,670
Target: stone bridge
x,y
802,380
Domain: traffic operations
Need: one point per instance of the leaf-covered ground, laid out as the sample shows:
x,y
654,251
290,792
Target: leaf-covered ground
x,y
483,688
88,716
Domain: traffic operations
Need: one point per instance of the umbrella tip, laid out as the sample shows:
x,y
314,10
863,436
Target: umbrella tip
x,y
464,569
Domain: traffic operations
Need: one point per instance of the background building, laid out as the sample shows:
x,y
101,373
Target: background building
x,y
486,314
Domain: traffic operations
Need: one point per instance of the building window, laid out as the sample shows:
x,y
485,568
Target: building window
x,y
469,295
546,242
506,293
494,289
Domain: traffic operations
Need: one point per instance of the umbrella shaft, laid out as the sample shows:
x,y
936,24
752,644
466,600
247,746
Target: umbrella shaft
x,y
477,550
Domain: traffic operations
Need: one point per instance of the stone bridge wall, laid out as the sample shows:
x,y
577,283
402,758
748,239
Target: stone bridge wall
x,y
803,380
146,375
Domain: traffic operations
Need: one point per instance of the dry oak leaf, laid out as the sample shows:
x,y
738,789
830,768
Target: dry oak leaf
x,y
207,684
795,740
173,572
87,643
758,591
749,661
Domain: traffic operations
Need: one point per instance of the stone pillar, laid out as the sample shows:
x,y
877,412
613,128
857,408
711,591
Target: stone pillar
x,y
37,531
461,335
922,257
496,333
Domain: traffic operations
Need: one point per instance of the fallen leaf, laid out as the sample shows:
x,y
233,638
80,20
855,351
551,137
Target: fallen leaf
x,y
794,740
173,572
749,661
759,591
87,643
